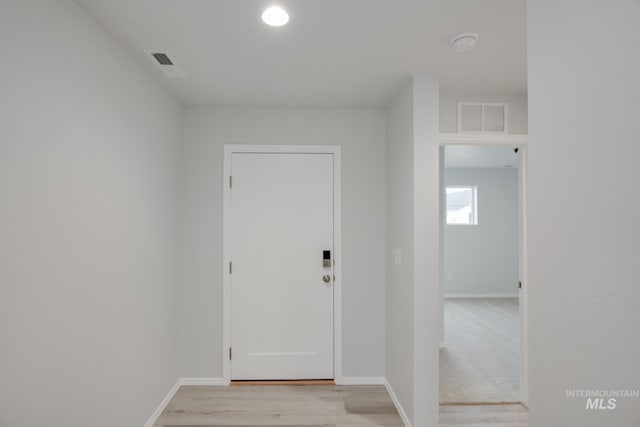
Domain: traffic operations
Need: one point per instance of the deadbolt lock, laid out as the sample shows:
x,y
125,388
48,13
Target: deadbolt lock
x,y
326,278
326,259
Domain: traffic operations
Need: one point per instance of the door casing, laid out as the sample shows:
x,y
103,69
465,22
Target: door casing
x,y
229,149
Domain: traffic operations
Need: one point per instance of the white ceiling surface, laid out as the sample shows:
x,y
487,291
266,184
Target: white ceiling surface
x,y
466,156
333,53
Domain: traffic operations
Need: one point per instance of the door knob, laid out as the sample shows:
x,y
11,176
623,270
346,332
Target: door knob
x,y
326,278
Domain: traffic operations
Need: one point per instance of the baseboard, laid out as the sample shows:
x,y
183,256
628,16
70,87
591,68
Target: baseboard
x,y
203,381
481,295
156,414
179,383
362,381
396,402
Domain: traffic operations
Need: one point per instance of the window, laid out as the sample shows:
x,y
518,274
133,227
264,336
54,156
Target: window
x,y
462,205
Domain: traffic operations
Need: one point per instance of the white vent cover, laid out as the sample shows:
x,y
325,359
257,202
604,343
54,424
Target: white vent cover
x,y
490,117
167,64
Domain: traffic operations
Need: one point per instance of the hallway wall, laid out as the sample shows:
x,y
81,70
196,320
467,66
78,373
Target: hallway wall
x,y
89,153
413,232
583,203
400,292
361,133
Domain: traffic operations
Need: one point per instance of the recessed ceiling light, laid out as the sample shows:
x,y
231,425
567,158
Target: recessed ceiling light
x,y
464,41
275,16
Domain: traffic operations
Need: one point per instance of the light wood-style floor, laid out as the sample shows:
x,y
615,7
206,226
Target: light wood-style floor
x,y
314,406
281,406
514,415
481,361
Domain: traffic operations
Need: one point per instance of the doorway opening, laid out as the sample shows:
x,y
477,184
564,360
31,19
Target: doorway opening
x,y
482,235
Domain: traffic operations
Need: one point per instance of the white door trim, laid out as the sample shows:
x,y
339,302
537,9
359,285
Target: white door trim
x,y
521,142
229,149
522,271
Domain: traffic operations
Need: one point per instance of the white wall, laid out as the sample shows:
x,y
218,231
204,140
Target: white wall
x,y
400,288
361,133
483,258
413,285
583,204
517,110
88,224
427,295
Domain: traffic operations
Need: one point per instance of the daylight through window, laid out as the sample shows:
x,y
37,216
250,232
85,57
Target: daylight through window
x,y
462,205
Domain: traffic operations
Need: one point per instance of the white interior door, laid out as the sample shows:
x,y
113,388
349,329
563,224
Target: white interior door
x,y
281,293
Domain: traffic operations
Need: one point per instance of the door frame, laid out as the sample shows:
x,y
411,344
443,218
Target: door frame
x,y
521,142
229,150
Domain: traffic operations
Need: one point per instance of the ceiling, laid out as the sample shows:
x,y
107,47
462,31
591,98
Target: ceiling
x,y
469,156
333,53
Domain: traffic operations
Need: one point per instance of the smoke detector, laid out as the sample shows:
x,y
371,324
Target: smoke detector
x,y
464,41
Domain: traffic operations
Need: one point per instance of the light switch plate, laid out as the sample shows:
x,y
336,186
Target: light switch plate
x,y
397,256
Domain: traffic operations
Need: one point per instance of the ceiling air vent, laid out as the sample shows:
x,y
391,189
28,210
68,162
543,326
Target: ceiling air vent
x,y
166,63
482,117
162,58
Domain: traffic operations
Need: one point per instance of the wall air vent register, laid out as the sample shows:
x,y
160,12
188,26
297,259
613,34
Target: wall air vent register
x,y
482,117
